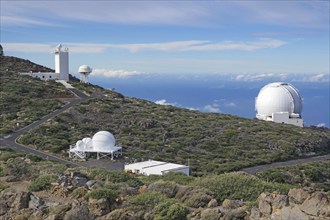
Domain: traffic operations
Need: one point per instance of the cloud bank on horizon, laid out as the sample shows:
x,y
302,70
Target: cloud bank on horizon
x,y
173,36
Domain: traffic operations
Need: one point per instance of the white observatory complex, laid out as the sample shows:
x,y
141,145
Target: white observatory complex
x,y
281,103
102,144
61,67
84,71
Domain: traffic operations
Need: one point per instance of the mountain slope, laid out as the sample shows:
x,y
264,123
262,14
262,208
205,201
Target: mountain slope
x,y
210,143
24,99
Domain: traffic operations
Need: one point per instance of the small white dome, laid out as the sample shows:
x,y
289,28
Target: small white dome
x,y
87,142
278,97
85,69
103,141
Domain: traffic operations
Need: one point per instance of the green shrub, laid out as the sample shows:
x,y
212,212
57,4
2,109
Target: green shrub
x,y
147,200
114,177
170,210
79,192
167,188
3,187
60,210
178,177
194,196
238,186
34,158
42,183
108,194
5,155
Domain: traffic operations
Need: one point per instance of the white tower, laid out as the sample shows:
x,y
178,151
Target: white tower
x,y
84,71
62,62
281,103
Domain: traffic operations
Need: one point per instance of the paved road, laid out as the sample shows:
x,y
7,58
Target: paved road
x,y
11,139
260,168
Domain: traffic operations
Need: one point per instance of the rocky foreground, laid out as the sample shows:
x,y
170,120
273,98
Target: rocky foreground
x,y
60,203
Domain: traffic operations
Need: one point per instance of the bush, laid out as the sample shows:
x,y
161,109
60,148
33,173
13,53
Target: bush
x,y
194,196
41,183
178,177
147,200
165,187
170,210
3,187
5,155
17,167
79,192
102,193
238,186
114,177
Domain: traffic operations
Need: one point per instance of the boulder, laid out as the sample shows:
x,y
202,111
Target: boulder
x,y
210,214
99,206
92,184
36,202
22,200
305,203
317,204
232,204
213,203
118,214
254,214
79,181
289,213
265,208
80,212
298,196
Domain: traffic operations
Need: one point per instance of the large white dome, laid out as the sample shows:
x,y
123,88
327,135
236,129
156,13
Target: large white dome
x,y
85,69
103,141
278,97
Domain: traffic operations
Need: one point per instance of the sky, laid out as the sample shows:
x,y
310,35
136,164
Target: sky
x,y
129,38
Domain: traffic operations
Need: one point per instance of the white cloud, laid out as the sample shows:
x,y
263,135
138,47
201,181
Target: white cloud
x,y
212,108
262,43
164,102
260,76
313,14
230,104
322,77
115,73
27,47
321,125
23,21
175,46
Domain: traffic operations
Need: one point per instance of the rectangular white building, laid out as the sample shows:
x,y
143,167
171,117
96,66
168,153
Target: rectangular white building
x,y
156,168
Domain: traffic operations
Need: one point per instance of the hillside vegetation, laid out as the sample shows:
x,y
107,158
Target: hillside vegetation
x,y
33,188
315,174
213,143
23,99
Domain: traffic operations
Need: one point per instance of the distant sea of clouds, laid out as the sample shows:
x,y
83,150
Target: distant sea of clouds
x,y
219,93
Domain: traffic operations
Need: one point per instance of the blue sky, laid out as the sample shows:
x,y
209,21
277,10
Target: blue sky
x,y
126,38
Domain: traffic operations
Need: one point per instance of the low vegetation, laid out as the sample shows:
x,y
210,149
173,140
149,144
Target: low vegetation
x,y
24,99
210,143
315,174
121,195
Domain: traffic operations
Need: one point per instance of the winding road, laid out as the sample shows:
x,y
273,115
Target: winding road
x,y
11,139
11,142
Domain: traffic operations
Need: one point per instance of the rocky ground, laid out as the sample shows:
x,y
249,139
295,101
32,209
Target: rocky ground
x,y
60,203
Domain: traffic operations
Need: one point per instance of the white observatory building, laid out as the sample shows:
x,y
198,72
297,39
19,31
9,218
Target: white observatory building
x,y
84,71
61,66
281,103
102,144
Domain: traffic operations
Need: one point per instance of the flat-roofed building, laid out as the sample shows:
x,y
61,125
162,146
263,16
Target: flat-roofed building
x,y
153,167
